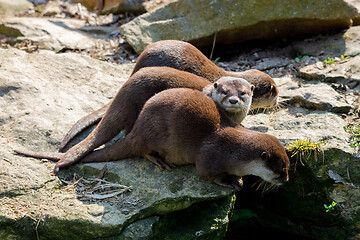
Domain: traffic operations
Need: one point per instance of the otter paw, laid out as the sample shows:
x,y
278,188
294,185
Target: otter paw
x,y
159,162
230,181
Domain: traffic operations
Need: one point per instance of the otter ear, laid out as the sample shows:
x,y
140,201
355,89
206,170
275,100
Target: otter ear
x,y
264,156
215,85
252,88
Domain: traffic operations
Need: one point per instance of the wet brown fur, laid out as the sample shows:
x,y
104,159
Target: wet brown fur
x,y
183,126
127,104
184,56
145,83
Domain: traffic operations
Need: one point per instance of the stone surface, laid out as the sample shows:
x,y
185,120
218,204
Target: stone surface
x,y
333,175
70,86
287,126
10,8
356,4
39,104
54,34
235,21
115,6
343,71
318,96
343,43
205,220
23,77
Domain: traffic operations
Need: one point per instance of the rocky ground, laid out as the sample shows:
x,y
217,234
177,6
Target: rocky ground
x,y
58,62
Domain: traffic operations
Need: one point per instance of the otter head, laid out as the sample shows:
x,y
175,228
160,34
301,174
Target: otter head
x,y
232,94
265,95
264,156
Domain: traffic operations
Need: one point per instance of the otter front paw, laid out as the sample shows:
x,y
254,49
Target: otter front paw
x,y
230,181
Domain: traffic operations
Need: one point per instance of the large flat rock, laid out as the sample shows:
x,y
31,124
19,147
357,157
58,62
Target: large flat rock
x,y
50,33
10,8
198,21
41,95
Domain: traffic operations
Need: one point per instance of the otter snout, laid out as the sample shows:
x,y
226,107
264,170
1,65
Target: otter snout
x,y
281,180
233,101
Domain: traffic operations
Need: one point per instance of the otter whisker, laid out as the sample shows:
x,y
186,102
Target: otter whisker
x,y
260,184
268,188
257,182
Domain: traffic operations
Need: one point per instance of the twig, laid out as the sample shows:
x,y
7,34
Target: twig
x,y
213,46
37,225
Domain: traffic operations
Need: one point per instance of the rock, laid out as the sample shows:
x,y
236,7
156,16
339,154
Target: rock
x,y
23,77
114,6
333,175
205,220
356,4
343,71
10,8
55,34
69,87
318,126
319,96
38,2
268,63
344,43
235,21
52,8
122,6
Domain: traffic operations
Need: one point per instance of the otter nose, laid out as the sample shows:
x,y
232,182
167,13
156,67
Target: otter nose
x,y
282,180
233,101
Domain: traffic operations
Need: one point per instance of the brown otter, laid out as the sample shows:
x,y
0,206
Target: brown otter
x,y
233,94
127,104
183,126
184,56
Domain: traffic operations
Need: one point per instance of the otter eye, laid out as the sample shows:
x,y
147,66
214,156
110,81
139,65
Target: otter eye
x,y
224,92
264,155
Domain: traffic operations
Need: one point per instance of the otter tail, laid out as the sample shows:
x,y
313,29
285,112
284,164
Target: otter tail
x,y
82,124
117,151
53,156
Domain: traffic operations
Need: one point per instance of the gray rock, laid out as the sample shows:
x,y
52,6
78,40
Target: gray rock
x,y
38,2
333,175
197,21
114,6
356,4
319,96
268,63
344,43
64,88
317,126
10,8
55,34
39,104
343,71
204,220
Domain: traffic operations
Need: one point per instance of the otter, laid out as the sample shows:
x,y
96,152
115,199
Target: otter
x,y
128,102
233,94
184,56
183,126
